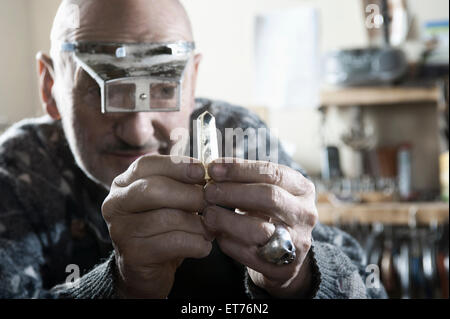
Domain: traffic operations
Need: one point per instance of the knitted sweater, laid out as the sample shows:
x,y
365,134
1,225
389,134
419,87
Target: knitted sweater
x,y
51,228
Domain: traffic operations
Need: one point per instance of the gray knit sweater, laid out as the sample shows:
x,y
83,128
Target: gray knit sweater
x,y
51,227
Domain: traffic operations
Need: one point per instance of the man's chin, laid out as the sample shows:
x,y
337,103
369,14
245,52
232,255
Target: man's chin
x,y
123,161
105,171
110,166
116,164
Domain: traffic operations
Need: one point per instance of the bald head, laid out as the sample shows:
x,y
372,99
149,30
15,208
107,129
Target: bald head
x,y
121,21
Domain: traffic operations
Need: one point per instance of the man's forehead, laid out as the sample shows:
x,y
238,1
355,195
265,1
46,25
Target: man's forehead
x,y
124,36
124,21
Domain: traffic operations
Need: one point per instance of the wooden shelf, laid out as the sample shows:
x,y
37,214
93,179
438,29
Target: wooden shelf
x,y
378,96
386,213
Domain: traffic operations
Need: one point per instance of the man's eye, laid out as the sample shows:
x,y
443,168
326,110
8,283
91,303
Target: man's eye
x,y
167,92
162,91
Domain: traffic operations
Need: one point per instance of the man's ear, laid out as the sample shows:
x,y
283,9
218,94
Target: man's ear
x,y
46,80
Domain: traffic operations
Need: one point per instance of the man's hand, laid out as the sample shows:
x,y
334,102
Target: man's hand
x,y
151,216
267,193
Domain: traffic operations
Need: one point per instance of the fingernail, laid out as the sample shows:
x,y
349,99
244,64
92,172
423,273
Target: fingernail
x,y
195,171
219,170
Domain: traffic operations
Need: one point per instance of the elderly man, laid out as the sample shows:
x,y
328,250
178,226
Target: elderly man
x,y
94,188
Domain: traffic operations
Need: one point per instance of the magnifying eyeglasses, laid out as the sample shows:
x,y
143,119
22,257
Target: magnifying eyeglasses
x,y
135,77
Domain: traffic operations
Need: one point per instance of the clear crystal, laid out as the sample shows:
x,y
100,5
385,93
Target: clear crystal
x,y
207,140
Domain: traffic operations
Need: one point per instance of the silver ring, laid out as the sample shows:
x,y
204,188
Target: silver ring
x,y
279,249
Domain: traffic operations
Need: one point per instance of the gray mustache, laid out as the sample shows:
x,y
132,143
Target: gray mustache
x,y
121,146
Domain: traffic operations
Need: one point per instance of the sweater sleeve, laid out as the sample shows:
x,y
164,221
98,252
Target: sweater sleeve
x,y
342,266
96,284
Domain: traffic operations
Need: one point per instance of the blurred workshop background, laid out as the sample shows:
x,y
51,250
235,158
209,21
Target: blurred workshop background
x,y
357,90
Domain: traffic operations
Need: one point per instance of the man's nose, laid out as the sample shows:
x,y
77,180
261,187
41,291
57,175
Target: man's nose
x,y
136,128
